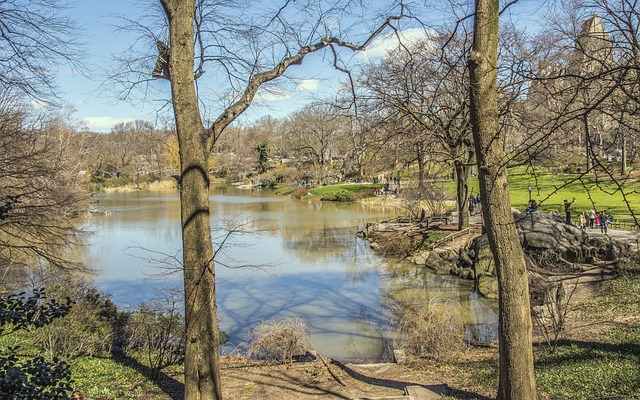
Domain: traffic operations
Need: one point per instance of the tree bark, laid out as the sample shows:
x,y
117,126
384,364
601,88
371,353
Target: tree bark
x,y
202,351
462,193
517,380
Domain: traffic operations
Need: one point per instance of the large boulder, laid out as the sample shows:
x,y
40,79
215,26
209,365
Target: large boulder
x,y
540,234
488,286
483,264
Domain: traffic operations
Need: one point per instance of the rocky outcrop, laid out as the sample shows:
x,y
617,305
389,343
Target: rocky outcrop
x,y
548,242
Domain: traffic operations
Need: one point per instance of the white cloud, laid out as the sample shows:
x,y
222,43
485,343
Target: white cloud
x,y
103,124
385,43
280,94
309,85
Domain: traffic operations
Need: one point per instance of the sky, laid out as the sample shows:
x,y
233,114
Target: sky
x,y
96,107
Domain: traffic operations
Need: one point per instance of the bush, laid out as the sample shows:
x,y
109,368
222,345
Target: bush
x,y
432,330
300,193
157,329
629,265
282,340
36,378
342,196
395,245
86,330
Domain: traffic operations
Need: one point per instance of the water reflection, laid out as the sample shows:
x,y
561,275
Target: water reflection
x,y
305,261
407,284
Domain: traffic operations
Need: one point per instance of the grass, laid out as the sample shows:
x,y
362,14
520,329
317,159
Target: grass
x,y
355,187
602,363
589,370
113,378
549,190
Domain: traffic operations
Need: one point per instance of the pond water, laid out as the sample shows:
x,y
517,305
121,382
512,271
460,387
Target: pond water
x,y
284,258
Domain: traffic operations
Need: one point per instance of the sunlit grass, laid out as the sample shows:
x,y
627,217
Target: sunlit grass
x,y
550,189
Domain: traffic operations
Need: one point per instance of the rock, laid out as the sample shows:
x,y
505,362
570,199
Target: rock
x,y
539,233
399,356
438,264
420,258
488,286
483,261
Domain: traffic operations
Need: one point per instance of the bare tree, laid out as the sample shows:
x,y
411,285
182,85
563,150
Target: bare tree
x,y
190,26
40,195
36,37
517,379
314,131
426,85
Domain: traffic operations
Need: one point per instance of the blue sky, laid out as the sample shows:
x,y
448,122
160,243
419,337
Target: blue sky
x,y
97,109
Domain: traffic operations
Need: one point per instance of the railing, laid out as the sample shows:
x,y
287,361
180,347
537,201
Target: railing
x,y
452,236
624,225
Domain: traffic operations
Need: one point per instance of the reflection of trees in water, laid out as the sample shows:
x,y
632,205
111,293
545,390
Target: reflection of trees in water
x,y
370,339
406,285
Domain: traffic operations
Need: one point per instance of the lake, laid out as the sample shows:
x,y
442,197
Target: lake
x,y
283,258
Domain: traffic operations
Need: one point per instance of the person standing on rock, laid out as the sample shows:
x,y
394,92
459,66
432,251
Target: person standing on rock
x,y
567,209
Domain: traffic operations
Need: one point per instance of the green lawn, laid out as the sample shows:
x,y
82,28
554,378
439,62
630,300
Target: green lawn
x,y
352,187
549,190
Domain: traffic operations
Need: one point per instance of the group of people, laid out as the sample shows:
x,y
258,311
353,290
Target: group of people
x,y
591,219
474,202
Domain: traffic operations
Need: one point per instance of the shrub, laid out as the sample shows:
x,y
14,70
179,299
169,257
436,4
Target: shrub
x,y
341,195
36,378
300,193
86,330
629,265
432,330
273,340
395,245
157,328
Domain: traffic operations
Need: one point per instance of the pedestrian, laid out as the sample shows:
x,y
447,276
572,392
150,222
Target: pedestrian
x,y
531,207
583,221
567,209
604,222
592,218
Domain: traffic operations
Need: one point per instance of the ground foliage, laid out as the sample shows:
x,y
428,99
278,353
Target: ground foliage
x,y
31,378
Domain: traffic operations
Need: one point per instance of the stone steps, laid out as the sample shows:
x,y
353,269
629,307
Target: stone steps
x,y
415,392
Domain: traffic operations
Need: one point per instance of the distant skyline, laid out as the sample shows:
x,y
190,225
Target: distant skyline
x,y
97,109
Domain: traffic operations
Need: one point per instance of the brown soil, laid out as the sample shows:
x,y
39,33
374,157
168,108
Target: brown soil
x,y
329,379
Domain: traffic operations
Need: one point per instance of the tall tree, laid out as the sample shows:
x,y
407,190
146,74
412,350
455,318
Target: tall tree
x,y
202,372
517,379
40,193
426,83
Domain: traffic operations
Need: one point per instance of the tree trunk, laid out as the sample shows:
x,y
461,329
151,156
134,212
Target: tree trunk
x,y
623,170
462,190
202,351
517,380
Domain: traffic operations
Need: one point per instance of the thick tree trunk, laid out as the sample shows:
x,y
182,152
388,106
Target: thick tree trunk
x,y
202,352
462,193
517,380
